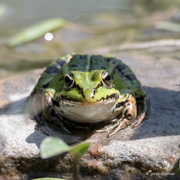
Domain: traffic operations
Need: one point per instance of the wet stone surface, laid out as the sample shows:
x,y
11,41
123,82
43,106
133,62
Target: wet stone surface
x,y
150,151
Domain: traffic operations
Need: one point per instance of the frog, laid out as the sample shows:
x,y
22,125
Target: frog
x,y
89,89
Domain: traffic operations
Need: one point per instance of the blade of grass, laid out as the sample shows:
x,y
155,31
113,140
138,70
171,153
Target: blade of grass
x,y
36,31
166,25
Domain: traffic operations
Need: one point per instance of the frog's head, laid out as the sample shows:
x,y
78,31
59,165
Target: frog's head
x,y
88,87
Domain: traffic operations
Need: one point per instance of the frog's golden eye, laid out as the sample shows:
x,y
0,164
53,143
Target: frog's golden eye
x,y
69,80
106,79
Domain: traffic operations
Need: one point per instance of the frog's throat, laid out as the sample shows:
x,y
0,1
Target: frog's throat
x,y
86,113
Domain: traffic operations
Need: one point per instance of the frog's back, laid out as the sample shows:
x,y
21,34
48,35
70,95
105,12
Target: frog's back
x,y
124,79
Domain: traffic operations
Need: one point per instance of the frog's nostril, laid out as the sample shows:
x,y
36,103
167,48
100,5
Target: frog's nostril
x,y
89,95
94,91
81,91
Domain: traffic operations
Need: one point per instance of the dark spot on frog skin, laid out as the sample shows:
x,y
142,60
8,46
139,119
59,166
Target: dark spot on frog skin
x,y
91,69
131,77
108,97
94,91
73,65
60,62
81,91
56,70
103,68
55,103
84,57
46,85
110,59
121,104
49,70
99,85
121,67
52,69
127,115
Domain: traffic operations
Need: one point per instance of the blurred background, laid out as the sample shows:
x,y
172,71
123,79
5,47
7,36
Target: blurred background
x,y
34,33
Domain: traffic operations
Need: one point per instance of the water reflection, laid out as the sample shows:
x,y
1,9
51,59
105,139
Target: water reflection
x,y
48,36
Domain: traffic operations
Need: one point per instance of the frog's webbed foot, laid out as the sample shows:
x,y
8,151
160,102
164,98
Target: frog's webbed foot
x,y
139,120
120,124
107,128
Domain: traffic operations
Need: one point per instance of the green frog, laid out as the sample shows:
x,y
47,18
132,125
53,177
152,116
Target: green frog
x,y
89,89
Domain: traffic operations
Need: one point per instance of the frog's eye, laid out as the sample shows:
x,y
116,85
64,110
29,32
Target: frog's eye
x,y
69,80
106,79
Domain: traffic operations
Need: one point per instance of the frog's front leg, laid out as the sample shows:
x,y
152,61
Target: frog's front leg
x,y
48,110
128,115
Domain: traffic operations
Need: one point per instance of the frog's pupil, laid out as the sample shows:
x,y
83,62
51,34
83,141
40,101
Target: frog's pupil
x,y
107,78
67,79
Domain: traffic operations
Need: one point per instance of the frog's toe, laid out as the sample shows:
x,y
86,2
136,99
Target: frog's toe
x,y
144,113
64,128
107,128
59,122
139,120
121,124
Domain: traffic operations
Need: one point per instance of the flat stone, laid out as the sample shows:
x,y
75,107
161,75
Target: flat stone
x,y
150,151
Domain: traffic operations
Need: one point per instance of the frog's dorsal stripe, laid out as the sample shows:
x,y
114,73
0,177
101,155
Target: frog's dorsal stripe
x,y
88,63
120,104
98,62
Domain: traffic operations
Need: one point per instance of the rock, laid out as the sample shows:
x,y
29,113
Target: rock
x,y
150,151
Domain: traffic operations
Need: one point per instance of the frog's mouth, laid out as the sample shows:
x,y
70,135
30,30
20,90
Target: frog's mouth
x,y
92,101
86,112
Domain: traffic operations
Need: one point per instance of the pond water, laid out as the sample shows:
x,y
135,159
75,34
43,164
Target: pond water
x,y
89,25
